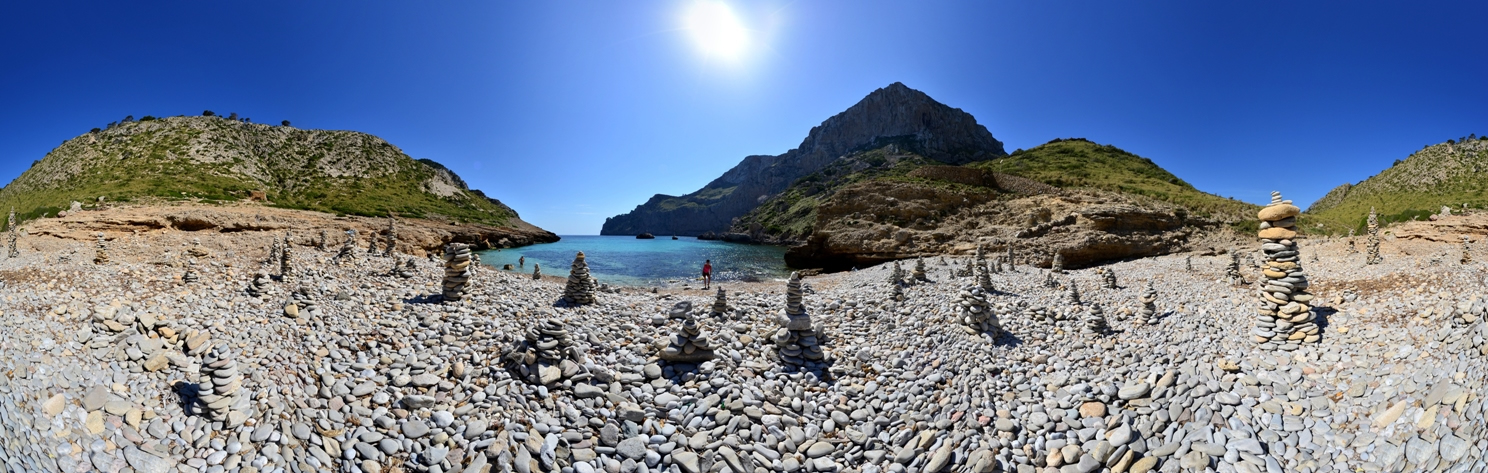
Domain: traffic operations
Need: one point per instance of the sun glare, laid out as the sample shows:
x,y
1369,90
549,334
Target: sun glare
x,y
716,30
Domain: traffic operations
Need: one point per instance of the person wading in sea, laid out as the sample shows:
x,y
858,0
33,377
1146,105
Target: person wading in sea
x,y
707,273
521,261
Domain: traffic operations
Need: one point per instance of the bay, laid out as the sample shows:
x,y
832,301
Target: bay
x,y
628,261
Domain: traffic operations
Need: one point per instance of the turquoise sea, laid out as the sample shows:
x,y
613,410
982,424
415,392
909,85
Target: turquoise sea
x,y
625,260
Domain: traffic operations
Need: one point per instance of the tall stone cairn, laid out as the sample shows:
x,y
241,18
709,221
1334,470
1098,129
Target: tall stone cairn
x,y
688,345
221,387
797,342
372,245
975,313
896,274
1149,305
1188,263
1351,247
12,234
983,279
325,241
348,248
1232,271
580,287
1108,278
536,271
392,237
1285,318
1095,321
720,304
1466,251
259,285
456,271
101,257
1371,246
190,275
1057,267
919,270
1010,261
286,255
274,251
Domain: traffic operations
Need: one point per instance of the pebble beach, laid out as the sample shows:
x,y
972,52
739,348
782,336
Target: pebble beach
x,y
358,364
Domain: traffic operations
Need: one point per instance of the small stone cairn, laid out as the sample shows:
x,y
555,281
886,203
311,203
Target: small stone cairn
x,y
720,304
220,385
456,271
688,345
348,248
1095,321
1285,319
536,271
1072,294
896,274
301,301
1351,248
1232,271
1049,281
274,251
546,356
797,341
580,286
325,241
1371,246
1010,261
286,255
896,292
259,285
974,312
919,270
101,257
407,270
1149,305
1057,267
1466,251
1108,278
984,279
1188,263
392,237
190,275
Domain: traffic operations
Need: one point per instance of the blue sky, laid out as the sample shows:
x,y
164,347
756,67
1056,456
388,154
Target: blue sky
x,y
573,112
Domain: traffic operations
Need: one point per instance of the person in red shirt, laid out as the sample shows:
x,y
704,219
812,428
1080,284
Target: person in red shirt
x,y
707,273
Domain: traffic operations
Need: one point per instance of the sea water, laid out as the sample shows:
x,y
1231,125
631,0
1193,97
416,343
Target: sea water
x,y
626,260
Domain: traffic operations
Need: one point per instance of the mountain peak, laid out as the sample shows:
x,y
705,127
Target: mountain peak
x,y
936,130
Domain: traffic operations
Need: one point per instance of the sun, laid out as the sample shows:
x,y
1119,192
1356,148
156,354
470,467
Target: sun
x,y
716,30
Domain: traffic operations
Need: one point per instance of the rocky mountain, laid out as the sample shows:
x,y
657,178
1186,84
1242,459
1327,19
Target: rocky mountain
x,y
1448,174
215,160
1089,203
893,114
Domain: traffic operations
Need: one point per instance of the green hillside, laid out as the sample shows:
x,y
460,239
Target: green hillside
x,y
214,159
1446,174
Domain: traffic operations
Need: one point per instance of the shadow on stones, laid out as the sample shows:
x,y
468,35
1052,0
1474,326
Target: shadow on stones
x,y
1008,339
425,299
1322,315
189,395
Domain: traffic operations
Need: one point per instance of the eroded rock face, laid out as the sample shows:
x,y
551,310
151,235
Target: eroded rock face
x,y
880,221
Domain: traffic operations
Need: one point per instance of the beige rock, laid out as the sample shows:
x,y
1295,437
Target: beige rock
x,y
54,405
1277,233
1277,212
1093,409
1388,416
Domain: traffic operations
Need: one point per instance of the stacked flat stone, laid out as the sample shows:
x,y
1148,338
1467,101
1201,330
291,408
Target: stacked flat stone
x,y
547,356
1466,251
1149,305
983,279
407,270
1095,321
919,270
259,285
580,287
274,250
1285,318
196,249
1010,261
1108,278
980,258
456,271
720,304
1049,281
372,245
974,312
896,292
797,342
943,261
304,301
190,275
101,257
1371,246
220,388
1351,248
1072,294
285,256
1232,271
1039,314
536,271
1188,263
12,234
324,243
348,248
392,237
1058,265
896,274
688,345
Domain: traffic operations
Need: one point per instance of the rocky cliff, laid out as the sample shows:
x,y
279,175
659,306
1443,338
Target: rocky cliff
x,y
211,159
894,114
1448,174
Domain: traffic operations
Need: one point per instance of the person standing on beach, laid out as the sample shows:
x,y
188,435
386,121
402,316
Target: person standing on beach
x,y
707,273
521,261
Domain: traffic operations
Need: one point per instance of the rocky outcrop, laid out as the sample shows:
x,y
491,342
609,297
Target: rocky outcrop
x,y
874,222
893,114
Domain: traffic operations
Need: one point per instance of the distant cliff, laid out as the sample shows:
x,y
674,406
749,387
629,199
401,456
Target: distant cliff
x,y
1450,174
895,115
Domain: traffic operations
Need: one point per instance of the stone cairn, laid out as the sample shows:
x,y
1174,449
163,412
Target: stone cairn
x,y
536,271
274,252
456,271
220,385
1010,264
968,271
720,304
919,270
797,340
688,345
974,312
325,241
1108,278
1371,246
101,257
392,237
1232,271
1351,248
1057,267
984,280
1095,321
190,275
1285,319
259,285
285,256
1467,320
407,270
1149,305
301,301
1072,294
1466,251
580,287
896,274
1188,263
372,245
1049,281
348,248
14,234
546,356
